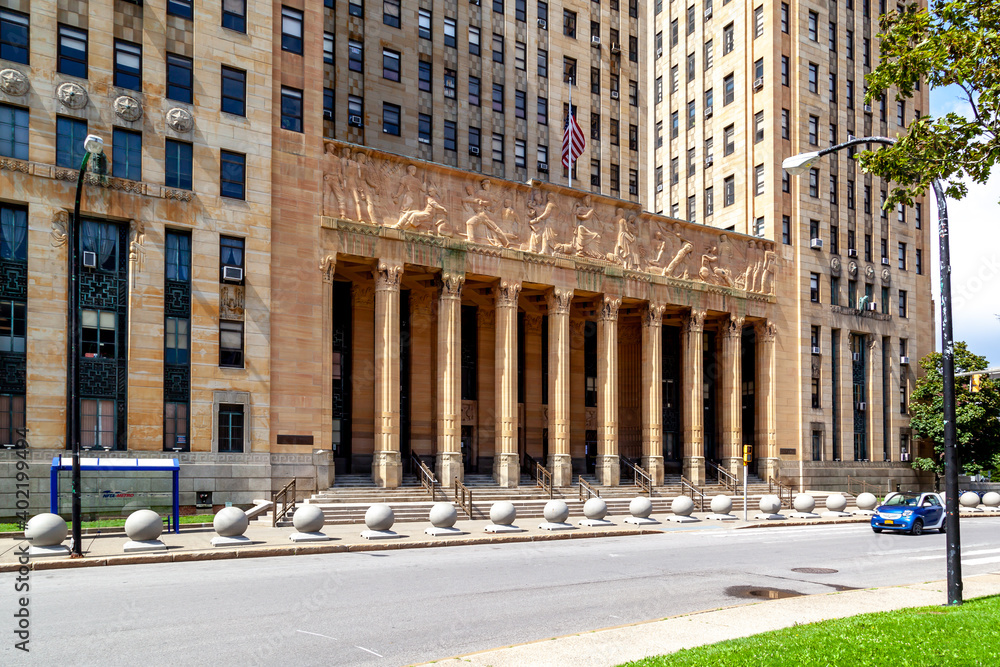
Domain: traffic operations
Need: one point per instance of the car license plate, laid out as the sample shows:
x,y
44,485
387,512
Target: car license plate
x,y
888,522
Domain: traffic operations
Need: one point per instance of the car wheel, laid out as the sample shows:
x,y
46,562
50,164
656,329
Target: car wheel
x,y
876,530
941,529
918,527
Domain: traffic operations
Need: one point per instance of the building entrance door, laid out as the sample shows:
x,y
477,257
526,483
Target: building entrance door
x,y
468,456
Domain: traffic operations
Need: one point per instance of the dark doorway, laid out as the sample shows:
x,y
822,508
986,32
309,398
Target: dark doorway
x,y
404,378
710,378
749,393
671,386
468,456
341,377
590,441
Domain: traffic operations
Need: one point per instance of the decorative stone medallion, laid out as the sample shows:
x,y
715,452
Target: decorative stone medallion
x,y
13,82
870,272
886,276
128,108
72,95
180,119
852,268
835,265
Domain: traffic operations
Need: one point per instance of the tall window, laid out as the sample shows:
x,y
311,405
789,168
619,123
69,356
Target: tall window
x,y
758,22
98,333
729,191
11,418
902,303
14,31
232,175
234,15
177,170
126,161
234,91
97,424
101,238
355,56
13,326
390,64
728,39
70,133
474,40
569,23
178,257
424,23
180,78
391,119
451,135
72,51
230,436
328,46
424,76
14,132
450,32
814,287
813,78
175,426
177,341
728,89
182,8
291,30
291,109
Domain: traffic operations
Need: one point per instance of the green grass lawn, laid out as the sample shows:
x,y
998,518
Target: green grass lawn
x,y
932,636
114,523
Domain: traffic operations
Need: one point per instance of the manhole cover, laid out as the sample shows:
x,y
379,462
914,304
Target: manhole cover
x,y
814,570
760,593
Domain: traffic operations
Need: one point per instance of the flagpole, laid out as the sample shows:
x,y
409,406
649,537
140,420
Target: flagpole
x,y
572,161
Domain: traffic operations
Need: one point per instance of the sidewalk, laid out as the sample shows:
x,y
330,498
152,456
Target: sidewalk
x,y
613,646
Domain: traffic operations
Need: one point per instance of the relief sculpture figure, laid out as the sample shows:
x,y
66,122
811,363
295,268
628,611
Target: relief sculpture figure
x,y
542,238
430,216
678,265
767,272
624,252
481,204
410,191
580,246
335,199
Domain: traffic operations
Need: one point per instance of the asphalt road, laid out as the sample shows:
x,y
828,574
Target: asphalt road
x,y
401,607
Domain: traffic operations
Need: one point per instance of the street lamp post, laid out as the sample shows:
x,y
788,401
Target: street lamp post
x,y
93,145
800,164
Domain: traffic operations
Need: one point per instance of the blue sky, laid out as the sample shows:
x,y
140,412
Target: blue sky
x,y
975,253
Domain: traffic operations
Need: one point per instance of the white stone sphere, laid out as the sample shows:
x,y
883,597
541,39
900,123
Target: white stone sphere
x,y
866,501
722,504
969,499
380,517
556,511
991,499
143,525
46,530
682,506
308,518
595,508
803,502
503,513
641,507
836,502
230,522
769,504
443,515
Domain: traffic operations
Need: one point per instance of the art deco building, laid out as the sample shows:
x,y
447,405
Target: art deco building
x,y
336,237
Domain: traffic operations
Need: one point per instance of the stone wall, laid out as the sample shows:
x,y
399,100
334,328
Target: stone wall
x,y
835,476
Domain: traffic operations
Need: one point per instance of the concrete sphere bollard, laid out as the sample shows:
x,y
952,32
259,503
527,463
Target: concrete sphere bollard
x,y
991,499
836,502
595,508
503,513
804,503
682,506
969,499
769,504
556,511
380,517
143,525
230,522
866,501
443,515
722,504
46,530
640,507
308,519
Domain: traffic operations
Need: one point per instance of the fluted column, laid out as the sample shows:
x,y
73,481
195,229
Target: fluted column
x,y
766,447
386,464
506,465
652,391
608,467
449,379
560,463
693,402
732,383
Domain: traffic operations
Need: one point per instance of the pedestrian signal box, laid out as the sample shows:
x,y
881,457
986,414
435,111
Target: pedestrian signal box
x,y
747,454
976,384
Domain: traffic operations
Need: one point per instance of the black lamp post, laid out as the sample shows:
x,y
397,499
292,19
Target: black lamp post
x,y
800,164
93,145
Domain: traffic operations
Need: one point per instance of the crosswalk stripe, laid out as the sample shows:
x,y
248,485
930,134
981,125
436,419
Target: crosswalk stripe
x,y
981,561
964,554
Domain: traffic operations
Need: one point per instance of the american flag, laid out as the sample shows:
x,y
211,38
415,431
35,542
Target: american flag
x,y
573,141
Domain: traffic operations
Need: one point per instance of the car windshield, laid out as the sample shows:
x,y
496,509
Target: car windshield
x,y
903,500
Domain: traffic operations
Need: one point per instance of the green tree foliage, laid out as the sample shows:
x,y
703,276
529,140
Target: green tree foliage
x,y
954,42
977,414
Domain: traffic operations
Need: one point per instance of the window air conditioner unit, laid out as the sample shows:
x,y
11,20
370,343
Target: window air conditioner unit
x,y
232,274
708,112
868,108
541,23
543,167
904,361
354,121
905,456
862,406
885,261
473,150
659,187
815,350
709,161
424,140
659,52
816,244
708,13
89,259
855,356
873,306
616,48
327,115
614,94
595,40
852,252
758,83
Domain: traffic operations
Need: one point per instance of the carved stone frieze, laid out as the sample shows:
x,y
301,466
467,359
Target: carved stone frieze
x,y
73,95
886,276
60,227
870,272
128,108
559,301
327,266
609,308
232,302
364,295
180,120
136,238
507,292
835,265
13,82
852,268
451,285
14,165
388,275
179,195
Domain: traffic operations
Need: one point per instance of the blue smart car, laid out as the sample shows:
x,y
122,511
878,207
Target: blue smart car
x,y
910,512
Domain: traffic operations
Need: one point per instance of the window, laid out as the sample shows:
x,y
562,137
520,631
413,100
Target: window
x,y
72,52
520,55
786,182
543,63
833,190
328,42
784,17
674,124
543,11
11,418
424,128
786,230
692,212
474,137
234,15
178,164
690,20
498,147
758,22
709,55
450,83
97,424
424,23
758,127
758,70
673,33
674,171
729,191
595,126
690,158
595,83
14,31
521,10
126,161
14,132
230,427
920,262
98,333
813,130
70,133
450,134
728,89
615,179
498,6
474,90
674,83
543,111
784,70
176,341
355,110
520,153
835,239
728,40
390,64
569,72
902,303
291,109
234,91
633,48
691,114
833,36
450,32
758,180
918,215
813,26
659,175
569,23
291,30
690,67
849,91
614,132
849,44
901,252
13,329
709,201
866,52
355,56
178,257
633,93
180,78
390,13
424,76
633,182
391,115
813,78
728,140
497,48
709,101
498,97
814,182
233,174
833,89
901,113
474,40
814,229
520,104
814,287
175,426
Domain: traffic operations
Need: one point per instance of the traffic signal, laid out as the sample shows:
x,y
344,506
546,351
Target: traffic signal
x,y
747,454
976,384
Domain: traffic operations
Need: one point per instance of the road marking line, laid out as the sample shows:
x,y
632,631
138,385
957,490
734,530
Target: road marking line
x,y
981,561
370,651
964,554
306,632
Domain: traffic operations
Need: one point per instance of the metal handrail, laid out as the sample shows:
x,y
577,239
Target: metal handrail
x,y
782,489
463,496
586,488
851,481
689,489
543,478
286,507
642,478
724,477
424,474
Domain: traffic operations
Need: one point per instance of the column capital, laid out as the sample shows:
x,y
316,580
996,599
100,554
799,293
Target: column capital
x,y
451,284
507,292
766,331
652,314
559,301
733,328
609,308
327,266
695,321
388,274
